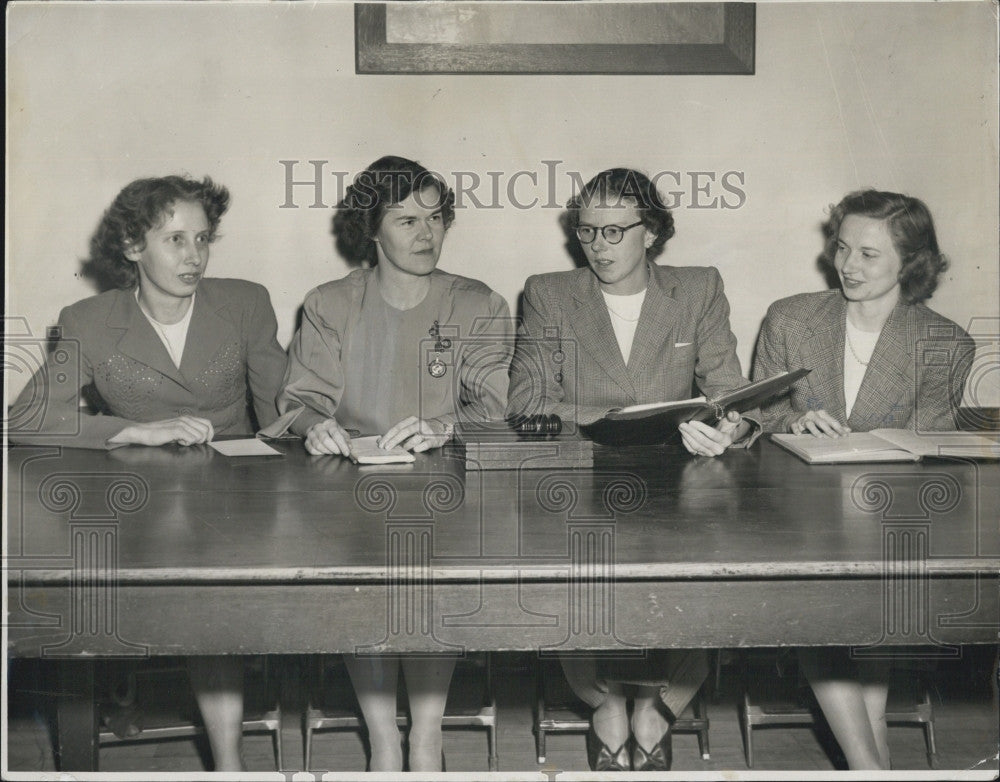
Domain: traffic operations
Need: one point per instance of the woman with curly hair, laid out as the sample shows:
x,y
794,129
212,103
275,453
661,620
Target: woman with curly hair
x,y
405,351
869,371
623,330
167,356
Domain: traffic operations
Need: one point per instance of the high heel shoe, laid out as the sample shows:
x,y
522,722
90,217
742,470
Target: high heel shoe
x,y
601,758
661,756
658,758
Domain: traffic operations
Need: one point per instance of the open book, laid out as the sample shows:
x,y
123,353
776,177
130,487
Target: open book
x,y
887,445
365,451
650,423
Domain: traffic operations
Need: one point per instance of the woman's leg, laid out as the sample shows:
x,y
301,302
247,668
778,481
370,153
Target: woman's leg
x,y
686,671
217,683
610,717
648,721
374,680
427,681
841,696
875,691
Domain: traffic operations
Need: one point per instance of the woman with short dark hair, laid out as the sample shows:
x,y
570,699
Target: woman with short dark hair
x,y
405,351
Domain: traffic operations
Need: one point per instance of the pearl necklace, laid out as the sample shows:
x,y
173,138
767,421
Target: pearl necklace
x,y
853,351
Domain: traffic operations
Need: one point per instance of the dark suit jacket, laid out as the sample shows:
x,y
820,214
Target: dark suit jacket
x,y
914,380
567,360
109,347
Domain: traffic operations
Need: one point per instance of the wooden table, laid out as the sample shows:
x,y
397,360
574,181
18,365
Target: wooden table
x,y
156,551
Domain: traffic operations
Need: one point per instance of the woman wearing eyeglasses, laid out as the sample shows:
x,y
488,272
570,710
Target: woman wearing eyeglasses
x,y
623,331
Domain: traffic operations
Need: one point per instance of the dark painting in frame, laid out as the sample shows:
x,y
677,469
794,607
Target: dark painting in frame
x,y
730,52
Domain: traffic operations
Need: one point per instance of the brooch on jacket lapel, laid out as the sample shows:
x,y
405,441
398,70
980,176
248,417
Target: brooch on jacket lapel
x,y
436,367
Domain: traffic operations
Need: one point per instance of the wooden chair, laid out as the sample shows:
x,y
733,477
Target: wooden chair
x,y
167,715
558,710
332,705
783,697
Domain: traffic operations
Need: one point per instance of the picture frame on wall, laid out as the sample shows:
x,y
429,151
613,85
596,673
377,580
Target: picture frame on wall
x,y
555,38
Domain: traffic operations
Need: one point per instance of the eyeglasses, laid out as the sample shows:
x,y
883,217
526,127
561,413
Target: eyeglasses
x,y
612,234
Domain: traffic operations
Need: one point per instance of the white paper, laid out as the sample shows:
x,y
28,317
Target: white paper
x,y
248,447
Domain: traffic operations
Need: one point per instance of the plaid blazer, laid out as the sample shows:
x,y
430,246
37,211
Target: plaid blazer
x,y
110,352
567,360
914,380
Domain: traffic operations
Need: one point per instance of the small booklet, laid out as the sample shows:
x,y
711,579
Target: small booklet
x,y
887,445
647,423
365,451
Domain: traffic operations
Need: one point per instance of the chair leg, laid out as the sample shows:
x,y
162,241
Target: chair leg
x,y
491,730
307,748
931,746
703,744
699,710
277,749
491,737
539,712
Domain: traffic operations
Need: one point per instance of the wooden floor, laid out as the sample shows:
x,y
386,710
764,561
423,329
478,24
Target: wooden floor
x,y
965,707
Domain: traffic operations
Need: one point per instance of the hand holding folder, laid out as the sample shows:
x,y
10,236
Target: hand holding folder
x,y
649,423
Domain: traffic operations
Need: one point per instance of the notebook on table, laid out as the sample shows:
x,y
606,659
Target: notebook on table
x,y
887,445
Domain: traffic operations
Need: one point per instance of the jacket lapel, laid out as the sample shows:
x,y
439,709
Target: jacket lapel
x,y
654,336
592,325
208,332
823,353
888,377
139,341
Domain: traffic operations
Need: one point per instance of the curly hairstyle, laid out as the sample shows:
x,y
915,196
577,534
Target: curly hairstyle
x,y
141,206
621,187
388,181
912,231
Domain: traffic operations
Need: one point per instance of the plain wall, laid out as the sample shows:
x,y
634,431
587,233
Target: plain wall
x,y
899,96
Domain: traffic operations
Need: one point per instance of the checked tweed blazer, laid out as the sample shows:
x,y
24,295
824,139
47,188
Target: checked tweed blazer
x,y
914,380
567,360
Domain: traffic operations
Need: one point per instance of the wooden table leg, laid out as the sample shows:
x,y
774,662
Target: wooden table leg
x,y
76,716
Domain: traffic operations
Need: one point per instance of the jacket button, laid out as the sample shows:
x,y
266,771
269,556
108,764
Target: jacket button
x,y
558,377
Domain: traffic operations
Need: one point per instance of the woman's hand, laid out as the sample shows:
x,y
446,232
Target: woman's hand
x,y
416,434
818,423
704,440
186,430
328,437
